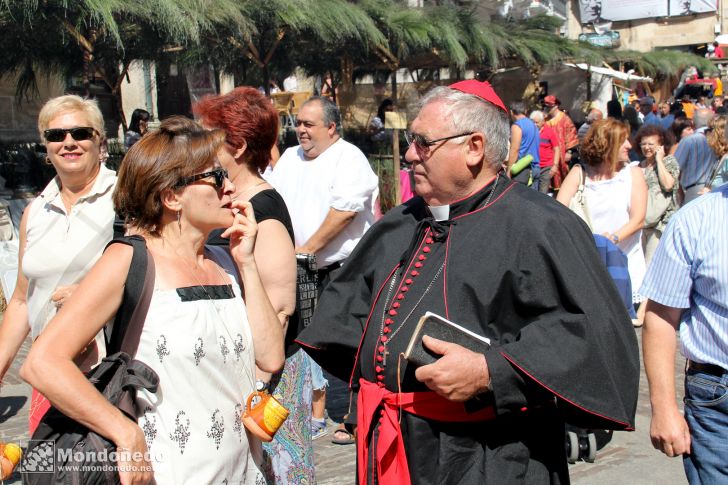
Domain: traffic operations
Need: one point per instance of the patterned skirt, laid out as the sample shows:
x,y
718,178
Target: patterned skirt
x,y
288,459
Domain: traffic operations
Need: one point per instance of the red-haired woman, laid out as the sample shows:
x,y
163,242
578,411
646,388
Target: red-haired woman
x,y
250,124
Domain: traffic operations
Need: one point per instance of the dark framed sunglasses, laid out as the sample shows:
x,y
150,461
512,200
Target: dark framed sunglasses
x,y
423,142
79,133
220,175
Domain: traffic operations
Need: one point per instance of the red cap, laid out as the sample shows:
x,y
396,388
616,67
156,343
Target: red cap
x,y
481,89
551,100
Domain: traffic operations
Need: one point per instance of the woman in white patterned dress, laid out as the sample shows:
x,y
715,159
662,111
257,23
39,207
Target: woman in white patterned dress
x,y
199,336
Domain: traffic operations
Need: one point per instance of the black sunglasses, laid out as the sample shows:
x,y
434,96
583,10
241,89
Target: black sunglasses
x,y
423,142
220,175
79,133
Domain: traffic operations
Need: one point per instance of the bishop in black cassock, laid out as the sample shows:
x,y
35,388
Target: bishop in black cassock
x,y
507,263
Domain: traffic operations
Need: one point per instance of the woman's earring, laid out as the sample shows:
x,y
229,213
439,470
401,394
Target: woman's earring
x,y
179,221
48,161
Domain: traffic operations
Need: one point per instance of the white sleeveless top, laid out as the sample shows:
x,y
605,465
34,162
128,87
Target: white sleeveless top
x,y
609,203
202,350
60,248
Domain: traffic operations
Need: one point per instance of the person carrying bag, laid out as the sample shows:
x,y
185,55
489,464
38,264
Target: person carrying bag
x,y
117,377
578,204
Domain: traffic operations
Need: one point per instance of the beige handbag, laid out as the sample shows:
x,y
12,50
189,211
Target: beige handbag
x,y
578,203
657,204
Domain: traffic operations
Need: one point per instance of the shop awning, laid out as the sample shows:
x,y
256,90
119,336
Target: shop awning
x,y
623,76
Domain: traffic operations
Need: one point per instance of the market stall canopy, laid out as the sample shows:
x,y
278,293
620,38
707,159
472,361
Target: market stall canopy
x,y
624,76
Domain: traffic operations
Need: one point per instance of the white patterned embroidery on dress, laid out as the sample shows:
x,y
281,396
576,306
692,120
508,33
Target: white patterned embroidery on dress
x,y
200,335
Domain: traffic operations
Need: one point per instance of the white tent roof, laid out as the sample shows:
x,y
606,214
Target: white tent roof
x,y
624,76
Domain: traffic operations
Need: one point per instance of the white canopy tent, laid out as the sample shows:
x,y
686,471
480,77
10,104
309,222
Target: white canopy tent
x,y
605,71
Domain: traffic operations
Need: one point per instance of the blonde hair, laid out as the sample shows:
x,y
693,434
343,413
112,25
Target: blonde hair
x,y
71,103
716,137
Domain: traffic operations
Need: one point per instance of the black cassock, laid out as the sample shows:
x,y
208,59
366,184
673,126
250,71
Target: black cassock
x,y
518,268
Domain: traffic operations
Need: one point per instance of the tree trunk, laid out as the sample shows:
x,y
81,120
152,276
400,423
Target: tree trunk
x,y
266,79
116,91
87,72
345,97
394,86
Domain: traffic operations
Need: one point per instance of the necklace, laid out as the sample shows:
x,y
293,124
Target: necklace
x,y
406,318
492,191
393,282
241,192
246,372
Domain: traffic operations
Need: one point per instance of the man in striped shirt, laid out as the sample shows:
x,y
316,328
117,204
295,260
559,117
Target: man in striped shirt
x,y
687,287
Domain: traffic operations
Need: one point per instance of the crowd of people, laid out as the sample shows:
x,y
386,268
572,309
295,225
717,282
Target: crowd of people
x,y
501,239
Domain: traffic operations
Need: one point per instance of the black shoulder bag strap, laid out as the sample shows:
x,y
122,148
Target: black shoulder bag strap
x,y
132,313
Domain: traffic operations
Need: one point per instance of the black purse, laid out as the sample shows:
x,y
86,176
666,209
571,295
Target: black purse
x,y
62,451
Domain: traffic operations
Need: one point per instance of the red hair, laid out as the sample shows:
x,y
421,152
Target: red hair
x,y
246,116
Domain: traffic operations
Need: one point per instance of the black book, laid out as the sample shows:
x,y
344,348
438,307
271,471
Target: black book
x,y
434,325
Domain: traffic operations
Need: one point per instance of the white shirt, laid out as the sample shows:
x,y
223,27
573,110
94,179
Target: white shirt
x,y
340,178
609,202
61,248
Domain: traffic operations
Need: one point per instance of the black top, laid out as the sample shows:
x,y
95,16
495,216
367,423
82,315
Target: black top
x,y
520,269
267,204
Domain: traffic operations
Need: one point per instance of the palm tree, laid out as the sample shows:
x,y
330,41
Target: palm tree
x,y
99,38
290,23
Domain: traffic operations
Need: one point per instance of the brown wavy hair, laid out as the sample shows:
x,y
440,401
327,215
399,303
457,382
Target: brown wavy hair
x,y
178,149
603,142
665,137
716,135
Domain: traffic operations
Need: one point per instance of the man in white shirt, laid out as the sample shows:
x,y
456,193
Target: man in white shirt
x,y
327,184
329,188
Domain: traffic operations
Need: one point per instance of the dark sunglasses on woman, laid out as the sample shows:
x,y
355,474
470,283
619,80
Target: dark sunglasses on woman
x,y
79,133
220,175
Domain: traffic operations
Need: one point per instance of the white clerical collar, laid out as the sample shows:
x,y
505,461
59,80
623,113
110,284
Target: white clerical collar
x,y
440,212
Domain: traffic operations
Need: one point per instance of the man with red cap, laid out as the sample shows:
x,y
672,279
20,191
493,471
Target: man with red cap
x,y
506,263
566,131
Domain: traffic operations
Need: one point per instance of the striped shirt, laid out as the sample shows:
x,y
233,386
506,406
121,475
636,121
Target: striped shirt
x,y
690,270
696,160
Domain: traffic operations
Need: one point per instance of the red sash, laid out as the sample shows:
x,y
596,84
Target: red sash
x,y
390,455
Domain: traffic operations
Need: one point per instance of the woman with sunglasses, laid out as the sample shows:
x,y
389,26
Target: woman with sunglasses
x,y
250,124
200,337
62,232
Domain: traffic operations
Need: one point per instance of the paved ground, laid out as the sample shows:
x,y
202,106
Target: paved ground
x,y
628,458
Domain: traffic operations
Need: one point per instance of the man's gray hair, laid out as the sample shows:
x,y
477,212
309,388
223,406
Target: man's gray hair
x,y
467,112
537,116
702,117
330,110
594,115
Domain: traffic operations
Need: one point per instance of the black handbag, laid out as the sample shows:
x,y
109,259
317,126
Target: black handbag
x,y
63,451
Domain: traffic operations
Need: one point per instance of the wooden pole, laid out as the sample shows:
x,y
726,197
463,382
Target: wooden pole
x,y
394,85
395,167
